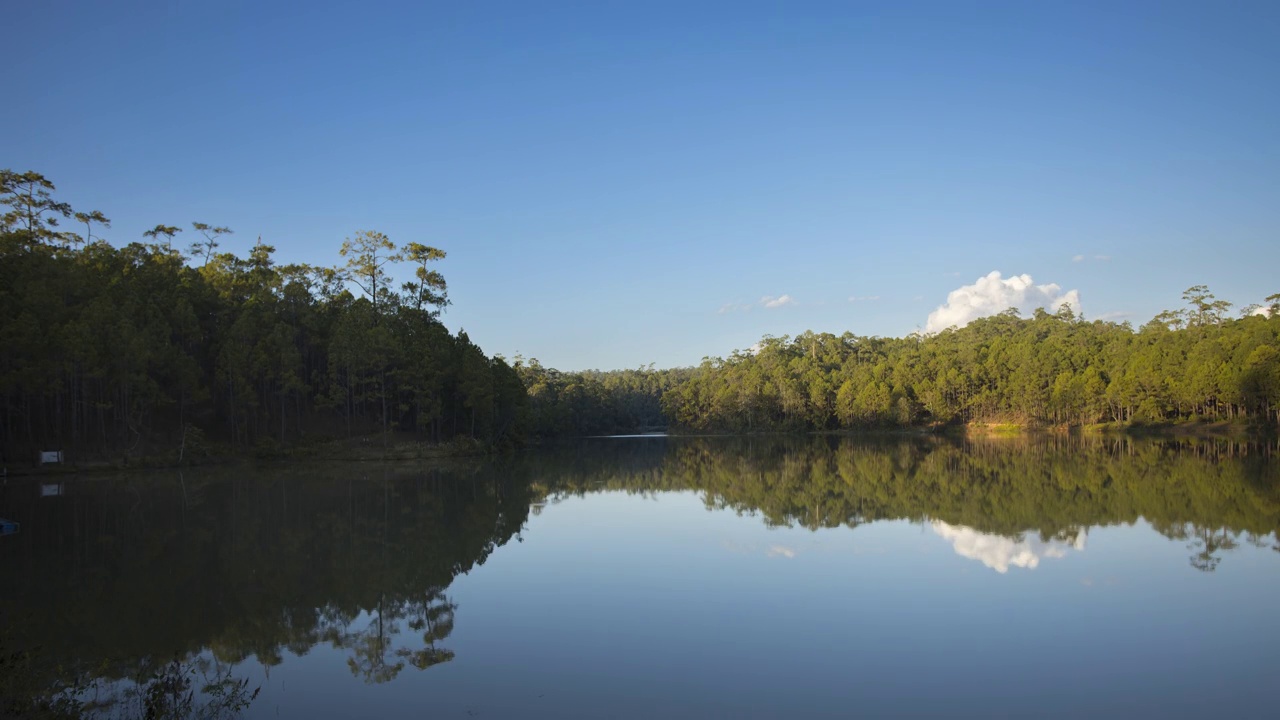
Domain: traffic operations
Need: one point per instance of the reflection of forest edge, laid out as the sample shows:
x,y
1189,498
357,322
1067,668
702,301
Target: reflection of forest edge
x,y
139,570
359,557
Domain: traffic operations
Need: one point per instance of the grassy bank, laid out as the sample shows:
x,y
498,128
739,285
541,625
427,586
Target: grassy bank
x,y
1184,429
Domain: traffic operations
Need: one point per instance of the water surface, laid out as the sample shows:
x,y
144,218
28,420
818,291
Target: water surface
x,y
646,577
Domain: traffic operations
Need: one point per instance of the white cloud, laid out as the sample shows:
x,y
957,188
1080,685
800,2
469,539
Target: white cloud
x,y
1113,315
1263,311
768,302
992,294
740,548
1078,258
864,298
1001,553
1102,258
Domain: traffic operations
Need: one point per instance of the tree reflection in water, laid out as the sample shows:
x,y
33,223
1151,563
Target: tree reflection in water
x,y
284,558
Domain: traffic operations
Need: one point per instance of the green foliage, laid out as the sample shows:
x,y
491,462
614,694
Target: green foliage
x,y
594,402
165,231
430,288
1050,370
211,234
32,215
113,351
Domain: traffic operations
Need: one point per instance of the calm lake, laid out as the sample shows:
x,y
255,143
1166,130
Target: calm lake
x,y
669,577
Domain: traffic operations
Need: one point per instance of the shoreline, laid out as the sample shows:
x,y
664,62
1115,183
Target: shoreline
x,y
370,449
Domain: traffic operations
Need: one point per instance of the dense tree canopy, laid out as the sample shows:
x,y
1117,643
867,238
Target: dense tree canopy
x,y
1051,369
143,348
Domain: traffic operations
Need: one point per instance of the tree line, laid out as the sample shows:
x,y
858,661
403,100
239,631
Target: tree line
x,y
149,347
1053,369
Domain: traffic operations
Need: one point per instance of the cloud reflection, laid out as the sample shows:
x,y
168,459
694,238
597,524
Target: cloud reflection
x,y
999,552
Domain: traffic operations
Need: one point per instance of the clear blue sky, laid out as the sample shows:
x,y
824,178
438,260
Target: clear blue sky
x,y
623,183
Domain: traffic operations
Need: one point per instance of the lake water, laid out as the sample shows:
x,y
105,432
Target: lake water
x,y
652,577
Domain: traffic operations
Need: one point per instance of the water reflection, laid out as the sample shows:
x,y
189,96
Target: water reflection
x,y
1000,553
127,573
371,638
122,576
1006,487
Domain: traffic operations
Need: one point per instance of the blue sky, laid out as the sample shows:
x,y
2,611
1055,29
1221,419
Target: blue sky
x,y
625,183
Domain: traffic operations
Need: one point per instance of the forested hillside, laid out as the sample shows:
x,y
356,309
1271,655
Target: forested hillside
x,y
169,343
171,346
1051,369
595,402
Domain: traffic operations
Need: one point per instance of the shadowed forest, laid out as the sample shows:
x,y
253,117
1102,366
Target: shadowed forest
x,y
170,346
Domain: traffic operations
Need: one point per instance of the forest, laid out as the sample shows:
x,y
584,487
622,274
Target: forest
x,y
170,346
154,345
1053,369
